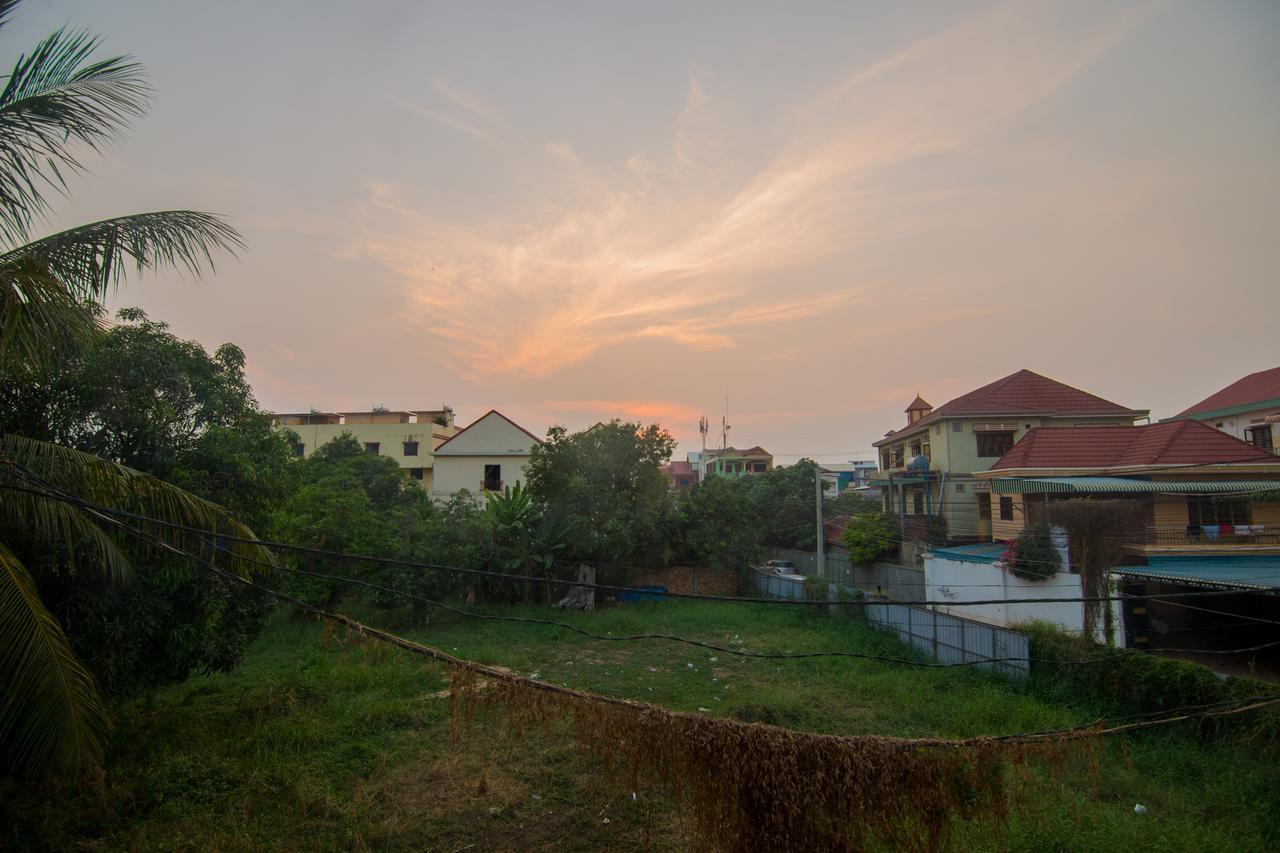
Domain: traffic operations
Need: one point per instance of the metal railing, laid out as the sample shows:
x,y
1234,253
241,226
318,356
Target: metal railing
x,y
1213,534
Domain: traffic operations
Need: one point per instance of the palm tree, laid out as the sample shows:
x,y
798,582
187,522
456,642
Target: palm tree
x,y
58,100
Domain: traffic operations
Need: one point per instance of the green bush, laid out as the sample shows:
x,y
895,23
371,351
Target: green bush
x,y
1032,556
871,535
1137,682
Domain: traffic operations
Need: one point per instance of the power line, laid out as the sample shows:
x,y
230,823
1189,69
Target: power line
x,y
1251,703
366,558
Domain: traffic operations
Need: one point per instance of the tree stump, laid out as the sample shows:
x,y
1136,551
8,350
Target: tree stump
x,y
580,597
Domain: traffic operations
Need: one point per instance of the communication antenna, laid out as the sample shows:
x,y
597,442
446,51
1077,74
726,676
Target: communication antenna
x,y
724,424
703,428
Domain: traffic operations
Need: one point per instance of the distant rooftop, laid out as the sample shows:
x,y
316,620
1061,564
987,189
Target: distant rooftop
x,y
1186,442
1262,387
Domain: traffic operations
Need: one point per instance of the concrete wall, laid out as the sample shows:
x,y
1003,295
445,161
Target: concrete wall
x,y
949,584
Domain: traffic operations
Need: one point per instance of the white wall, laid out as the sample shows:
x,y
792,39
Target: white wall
x,y
452,474
949,583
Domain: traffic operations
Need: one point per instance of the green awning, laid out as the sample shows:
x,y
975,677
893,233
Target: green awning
x,y
1114,485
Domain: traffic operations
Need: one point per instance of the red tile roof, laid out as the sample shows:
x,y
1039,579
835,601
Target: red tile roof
x,y
1254,388
1023,393
917,403
1170,443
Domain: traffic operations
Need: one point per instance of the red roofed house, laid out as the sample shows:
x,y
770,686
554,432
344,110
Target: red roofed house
x,y
1248,409
1193,481
680,475
928,465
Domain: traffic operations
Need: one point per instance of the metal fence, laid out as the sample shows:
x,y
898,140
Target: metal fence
x,y
954,639
892,580
776,586
947,638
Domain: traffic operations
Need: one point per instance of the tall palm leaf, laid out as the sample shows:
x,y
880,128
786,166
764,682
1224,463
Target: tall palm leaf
x,y
55,101
51,714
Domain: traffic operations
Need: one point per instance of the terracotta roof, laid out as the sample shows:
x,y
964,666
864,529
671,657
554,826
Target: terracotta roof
x,y
1184,442
1021,393
917,403
1254,388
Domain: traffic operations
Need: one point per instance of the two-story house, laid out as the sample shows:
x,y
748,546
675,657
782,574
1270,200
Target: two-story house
x,y
734,463
927,466
1248,408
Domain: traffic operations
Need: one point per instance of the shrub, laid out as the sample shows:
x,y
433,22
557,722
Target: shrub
x,y
1033,556
871,535
1137,682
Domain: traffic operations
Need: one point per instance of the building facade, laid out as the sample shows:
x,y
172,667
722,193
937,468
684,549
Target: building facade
x,y
408,437
927,467
734,463
488,455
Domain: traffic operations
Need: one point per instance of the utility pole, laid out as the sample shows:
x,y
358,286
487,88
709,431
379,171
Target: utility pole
x,y
822,545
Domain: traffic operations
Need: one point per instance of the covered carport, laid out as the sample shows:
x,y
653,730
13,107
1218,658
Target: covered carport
x,y
1196,627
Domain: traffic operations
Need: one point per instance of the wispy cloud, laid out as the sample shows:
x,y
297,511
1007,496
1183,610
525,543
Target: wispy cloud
x,y
646,250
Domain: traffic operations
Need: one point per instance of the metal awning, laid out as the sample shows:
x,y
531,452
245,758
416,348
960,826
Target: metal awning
x,y
1115,485
1221,572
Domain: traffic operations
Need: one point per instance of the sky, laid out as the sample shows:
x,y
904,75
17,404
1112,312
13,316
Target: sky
x,y
806,213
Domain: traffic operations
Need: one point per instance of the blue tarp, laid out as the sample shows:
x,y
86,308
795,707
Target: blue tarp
x,y
985,553
651,593
1225,572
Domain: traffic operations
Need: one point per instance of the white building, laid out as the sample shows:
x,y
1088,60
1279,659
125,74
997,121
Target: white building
x,y
486,456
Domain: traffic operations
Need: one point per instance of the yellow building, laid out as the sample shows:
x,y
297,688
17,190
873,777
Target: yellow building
x,y
408,437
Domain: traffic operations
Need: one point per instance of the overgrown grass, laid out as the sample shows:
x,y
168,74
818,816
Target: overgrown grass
x,y
318,741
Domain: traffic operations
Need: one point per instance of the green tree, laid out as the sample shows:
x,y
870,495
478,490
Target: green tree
x,y
603,489
527,541
58,101
870,536
784,501
719,526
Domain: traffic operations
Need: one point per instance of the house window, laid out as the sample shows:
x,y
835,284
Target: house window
x,y
1208,509
1259,437
915,449
492,478
958,426
411,448
984,506
897,456
371,447
1006,508
299,449
416,473
993,444
959,488
917,503
757,467
925,449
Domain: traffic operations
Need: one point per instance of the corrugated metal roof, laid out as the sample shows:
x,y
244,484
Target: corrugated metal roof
x,y
1219,572
1109,485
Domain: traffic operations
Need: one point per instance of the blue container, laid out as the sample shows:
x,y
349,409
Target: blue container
x,y
649,593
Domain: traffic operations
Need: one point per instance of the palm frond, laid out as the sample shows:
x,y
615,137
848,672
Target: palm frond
x,y
88,259
39,319
50,711
56,96
118,487
6,9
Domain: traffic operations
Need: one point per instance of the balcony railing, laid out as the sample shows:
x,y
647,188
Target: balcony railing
x,y
1214,534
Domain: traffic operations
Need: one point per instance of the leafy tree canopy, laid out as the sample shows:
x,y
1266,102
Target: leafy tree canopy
x,y
602,487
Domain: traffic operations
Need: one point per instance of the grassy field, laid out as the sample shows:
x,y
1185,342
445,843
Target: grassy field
x,y
318,741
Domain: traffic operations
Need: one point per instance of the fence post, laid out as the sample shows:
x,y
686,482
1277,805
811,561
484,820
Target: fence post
x,y
911,627
935,633
964,653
